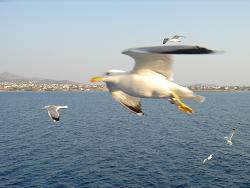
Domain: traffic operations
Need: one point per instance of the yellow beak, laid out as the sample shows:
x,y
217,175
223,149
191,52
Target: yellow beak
x,y
96,79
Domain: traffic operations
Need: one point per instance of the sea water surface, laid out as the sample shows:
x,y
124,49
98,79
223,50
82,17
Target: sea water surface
x,y
97,143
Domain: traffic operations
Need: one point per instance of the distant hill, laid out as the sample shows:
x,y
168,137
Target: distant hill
x,y
5,76
10,77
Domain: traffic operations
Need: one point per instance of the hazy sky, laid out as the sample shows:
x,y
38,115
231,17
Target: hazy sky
x,y
75,40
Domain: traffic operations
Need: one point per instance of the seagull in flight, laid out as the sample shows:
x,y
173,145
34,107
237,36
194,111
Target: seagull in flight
x,y
229,138
53,111
151,77
207,159
175,38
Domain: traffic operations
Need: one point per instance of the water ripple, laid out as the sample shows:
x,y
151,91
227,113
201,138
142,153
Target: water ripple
x,y
99,144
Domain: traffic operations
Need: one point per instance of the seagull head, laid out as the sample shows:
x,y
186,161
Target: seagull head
x,y
210,156
229,142
109,76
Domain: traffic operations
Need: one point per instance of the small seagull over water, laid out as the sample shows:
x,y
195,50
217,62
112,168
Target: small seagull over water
x,y
53,111
209,158
229,138
175,38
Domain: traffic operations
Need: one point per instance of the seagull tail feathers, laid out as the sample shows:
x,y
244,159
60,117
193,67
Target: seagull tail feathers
x,y
198,98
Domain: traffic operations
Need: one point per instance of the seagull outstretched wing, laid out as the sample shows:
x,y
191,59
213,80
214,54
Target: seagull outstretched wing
x,y
61,107
232,133
158,58
205,160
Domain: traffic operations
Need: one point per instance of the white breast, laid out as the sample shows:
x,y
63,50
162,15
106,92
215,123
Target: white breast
x,y
144,86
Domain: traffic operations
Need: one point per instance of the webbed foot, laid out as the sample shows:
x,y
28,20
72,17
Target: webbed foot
x,y
180,105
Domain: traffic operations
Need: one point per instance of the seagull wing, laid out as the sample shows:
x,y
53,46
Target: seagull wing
x,y
231,135
131,103
205,160
61,107
53,113
147,61
158,58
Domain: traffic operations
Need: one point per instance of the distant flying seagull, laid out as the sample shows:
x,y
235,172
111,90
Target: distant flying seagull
x,y
151,77
53,111
209,158
175,38
229,138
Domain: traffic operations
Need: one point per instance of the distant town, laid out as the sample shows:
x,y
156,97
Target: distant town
x,y
36,86
13,82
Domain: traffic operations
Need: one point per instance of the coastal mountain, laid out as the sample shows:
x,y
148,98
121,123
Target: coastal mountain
x,y
10,77
6,76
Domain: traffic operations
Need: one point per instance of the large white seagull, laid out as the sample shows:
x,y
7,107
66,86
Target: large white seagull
x,y
151,77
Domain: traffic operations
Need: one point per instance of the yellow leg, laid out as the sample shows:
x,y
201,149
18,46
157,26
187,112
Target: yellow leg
x,y
180,105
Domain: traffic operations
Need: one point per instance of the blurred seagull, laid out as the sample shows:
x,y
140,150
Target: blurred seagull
x,y
175,38
53,111
229,138
151,77
209,158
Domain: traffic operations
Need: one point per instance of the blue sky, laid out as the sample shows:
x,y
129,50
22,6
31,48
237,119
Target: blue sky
x,y
76,40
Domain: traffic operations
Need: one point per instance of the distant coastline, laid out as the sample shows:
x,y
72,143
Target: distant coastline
x,y
49,87
12,82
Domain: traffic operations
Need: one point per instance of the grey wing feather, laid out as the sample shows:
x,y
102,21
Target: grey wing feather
x,y
175,49
146,60
231,136
158,58
52,110
129,102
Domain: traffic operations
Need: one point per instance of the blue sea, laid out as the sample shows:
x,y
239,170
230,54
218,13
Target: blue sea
x,y
97,143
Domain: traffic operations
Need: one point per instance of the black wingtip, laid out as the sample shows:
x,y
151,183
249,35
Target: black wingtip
x,y
135,109
196,50
56,119
173,49
140,114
